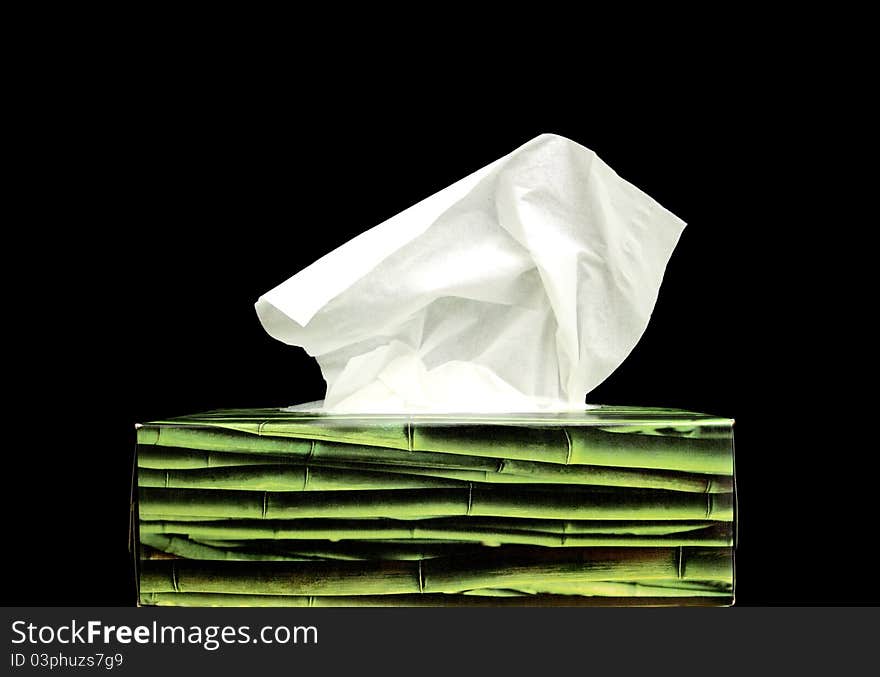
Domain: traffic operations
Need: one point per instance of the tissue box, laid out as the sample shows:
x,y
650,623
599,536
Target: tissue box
x,y
621,506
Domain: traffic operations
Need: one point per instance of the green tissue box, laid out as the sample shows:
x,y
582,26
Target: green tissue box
x,y
613,506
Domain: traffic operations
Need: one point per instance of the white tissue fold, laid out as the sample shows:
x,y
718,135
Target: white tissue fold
x,y
519,288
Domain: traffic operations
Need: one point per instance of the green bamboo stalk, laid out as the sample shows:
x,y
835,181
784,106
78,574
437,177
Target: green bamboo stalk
x,y
446,575
201,440
173,458
578,445
603,589
477,528
509,471
414,503
632,527
495,592
715,431
570,445
719,535
652,588
146,517
504,471
545,569
300,550
288,478
184,547
348,550
414,600
691,583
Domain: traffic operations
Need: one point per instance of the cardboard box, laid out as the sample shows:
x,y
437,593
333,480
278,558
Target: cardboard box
x,y
264,507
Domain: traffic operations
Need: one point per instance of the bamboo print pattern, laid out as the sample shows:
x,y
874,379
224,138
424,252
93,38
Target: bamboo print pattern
x,y
618,505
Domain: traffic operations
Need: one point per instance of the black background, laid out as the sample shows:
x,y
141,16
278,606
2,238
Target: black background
x,y
160,211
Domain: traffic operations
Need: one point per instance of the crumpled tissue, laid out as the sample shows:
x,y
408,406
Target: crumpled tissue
x,y
519,288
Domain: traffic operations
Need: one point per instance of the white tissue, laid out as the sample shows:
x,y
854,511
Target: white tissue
x,y
519,288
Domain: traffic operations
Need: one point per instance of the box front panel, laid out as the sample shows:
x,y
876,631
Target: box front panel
x,y
618,506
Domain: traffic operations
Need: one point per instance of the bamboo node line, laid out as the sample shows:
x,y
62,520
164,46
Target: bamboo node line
x,y
311,601
501,463
708,486
679,552
208,459
311,450
305,477
265,504
470,498
568,442
167,478
260,428
708,505
409,435
421,578
174,580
